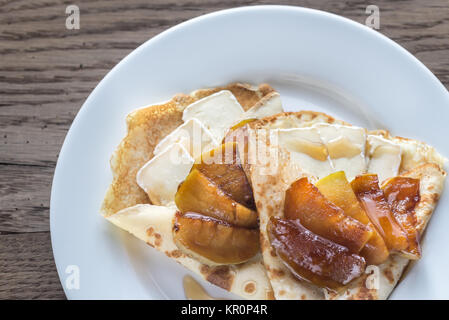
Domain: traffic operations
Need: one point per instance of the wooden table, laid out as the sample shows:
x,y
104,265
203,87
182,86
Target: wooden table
x,y
47,72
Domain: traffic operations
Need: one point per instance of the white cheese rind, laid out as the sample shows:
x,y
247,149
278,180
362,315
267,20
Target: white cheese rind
x,y
217,112
352,163
160,176
288,138
193,135
384,157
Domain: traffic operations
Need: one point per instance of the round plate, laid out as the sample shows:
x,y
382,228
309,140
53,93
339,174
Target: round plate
x,y
316,60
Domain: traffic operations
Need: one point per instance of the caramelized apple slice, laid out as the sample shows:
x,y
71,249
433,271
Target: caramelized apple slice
x,y
303,201
242,123
223,167
240,136
366,188
402,195
311,257
375,250
336,188
198,194
213,241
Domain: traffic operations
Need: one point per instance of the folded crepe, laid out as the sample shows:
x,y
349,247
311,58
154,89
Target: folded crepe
x,y
128,206
146,127
271,179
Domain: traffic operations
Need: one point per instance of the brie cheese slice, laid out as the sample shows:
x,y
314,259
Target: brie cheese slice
x,y
384,157
267,106
306,150
192,135
217,112
160,176
346,148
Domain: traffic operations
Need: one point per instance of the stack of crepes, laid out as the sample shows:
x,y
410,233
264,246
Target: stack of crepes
x,y
232,223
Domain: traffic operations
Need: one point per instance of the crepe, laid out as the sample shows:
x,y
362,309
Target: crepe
x,y
153,224
128,206
145,128
418,161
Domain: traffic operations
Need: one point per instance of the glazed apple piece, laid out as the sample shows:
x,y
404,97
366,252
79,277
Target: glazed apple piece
x,y
402,195
375,250
311,257
199,194
366,188
305,202
213,241
336,188
239,135
242,123
223,167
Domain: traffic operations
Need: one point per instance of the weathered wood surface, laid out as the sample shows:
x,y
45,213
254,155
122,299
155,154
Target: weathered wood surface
x,y
47,71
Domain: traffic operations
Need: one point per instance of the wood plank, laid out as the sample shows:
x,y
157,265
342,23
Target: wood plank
x,y
24,198
27,269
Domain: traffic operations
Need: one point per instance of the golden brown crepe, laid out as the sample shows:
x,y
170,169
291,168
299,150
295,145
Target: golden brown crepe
x,y
128,206
418,161
145,128
153,225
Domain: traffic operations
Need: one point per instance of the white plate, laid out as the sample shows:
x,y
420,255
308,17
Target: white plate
x,y
316,60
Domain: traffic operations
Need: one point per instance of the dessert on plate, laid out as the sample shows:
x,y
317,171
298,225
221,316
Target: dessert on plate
x,y
270,204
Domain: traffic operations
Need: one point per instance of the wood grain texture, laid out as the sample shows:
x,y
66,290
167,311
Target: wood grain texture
x,y
27,270
47,71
